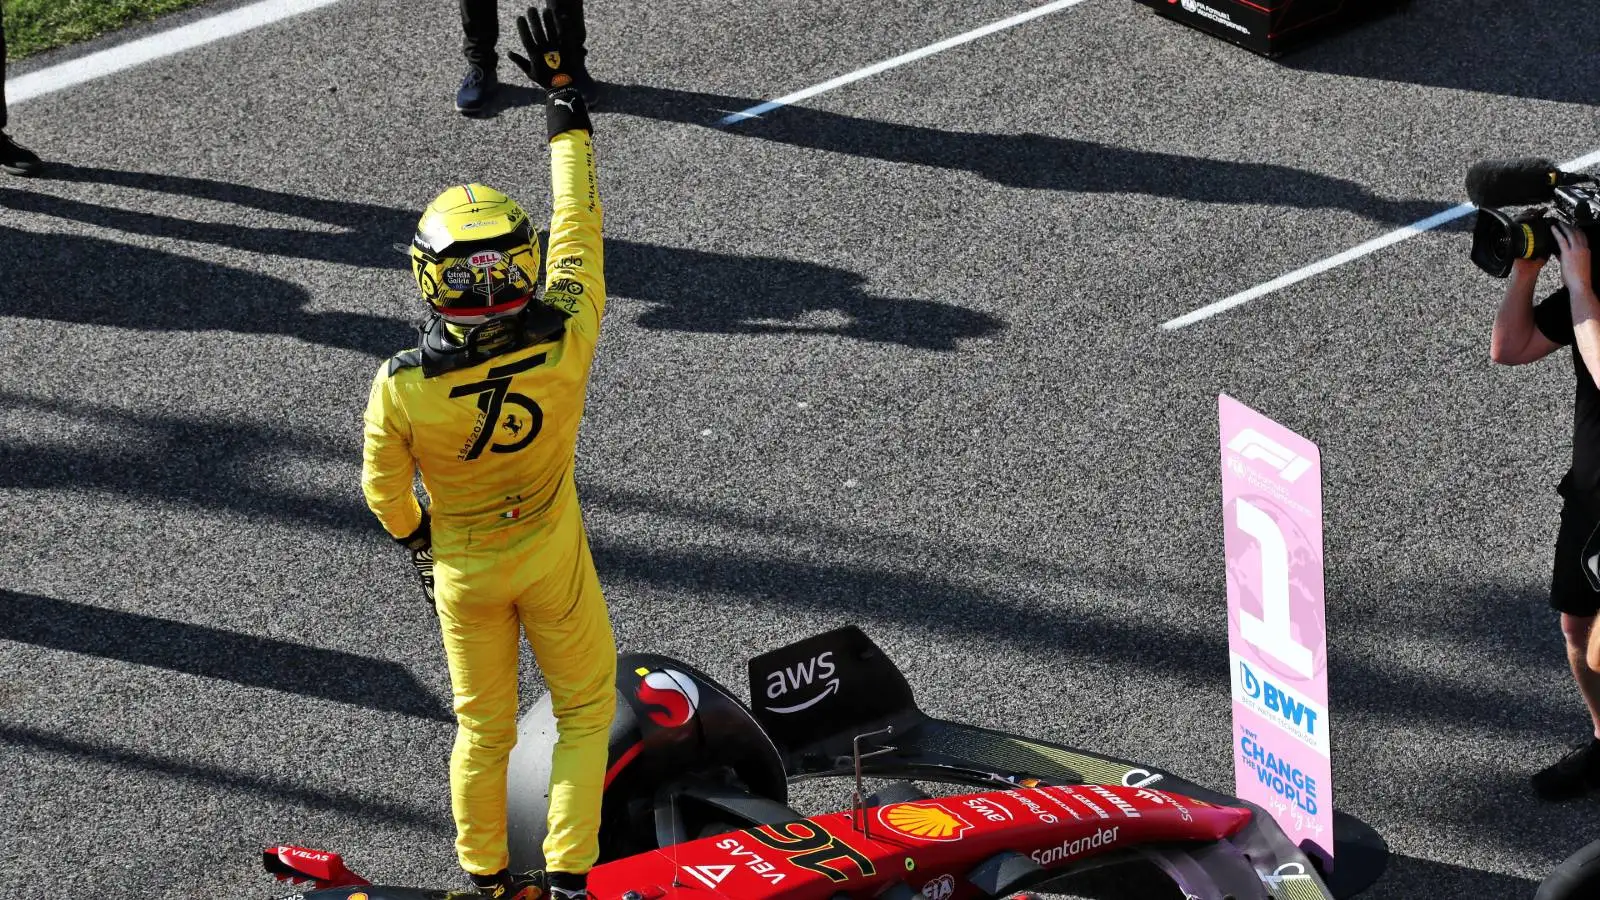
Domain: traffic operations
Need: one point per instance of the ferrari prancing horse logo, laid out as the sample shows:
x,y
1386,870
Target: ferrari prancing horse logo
x,y
493,394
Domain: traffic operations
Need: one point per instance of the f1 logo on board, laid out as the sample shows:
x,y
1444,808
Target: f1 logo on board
x,y
818,669
1252,444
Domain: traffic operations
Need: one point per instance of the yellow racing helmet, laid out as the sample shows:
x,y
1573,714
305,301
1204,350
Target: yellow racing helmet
x,y
474,256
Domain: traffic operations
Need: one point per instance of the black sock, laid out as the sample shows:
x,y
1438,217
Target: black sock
x,y
568,883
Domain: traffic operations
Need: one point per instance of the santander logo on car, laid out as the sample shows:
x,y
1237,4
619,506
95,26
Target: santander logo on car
x,y
672,697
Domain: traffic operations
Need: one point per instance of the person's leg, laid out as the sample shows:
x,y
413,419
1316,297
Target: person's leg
x,y
1580,634
14,158
1593,659
568,626
1572,595
480,33
480,642
2,67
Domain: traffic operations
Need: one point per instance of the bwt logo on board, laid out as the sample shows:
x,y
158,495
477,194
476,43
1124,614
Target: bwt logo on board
x,y
1283,705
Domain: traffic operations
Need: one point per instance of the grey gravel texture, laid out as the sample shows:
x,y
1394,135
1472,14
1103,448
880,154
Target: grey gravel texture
x,y
889,357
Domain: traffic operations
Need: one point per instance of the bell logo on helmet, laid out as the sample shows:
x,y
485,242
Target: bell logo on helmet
x,y
484,259
672,696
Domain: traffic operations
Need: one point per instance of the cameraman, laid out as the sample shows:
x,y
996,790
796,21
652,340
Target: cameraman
x,y
1525,332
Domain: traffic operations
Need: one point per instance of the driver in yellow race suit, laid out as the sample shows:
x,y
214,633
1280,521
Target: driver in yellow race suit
x,y
487,408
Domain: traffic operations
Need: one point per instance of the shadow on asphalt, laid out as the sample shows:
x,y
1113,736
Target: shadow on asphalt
x,y
1031,161
217,470
217,474
94,281
1408,876
273,789
208,652
1520,48
91,280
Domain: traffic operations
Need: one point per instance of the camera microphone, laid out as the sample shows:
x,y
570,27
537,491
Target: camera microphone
x,y
1516,182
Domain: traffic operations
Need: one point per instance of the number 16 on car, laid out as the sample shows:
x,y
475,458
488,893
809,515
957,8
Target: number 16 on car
x,y
1277,643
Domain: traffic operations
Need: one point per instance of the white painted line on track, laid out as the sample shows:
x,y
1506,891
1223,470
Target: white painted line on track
x,y
1354,253
162,44
902,59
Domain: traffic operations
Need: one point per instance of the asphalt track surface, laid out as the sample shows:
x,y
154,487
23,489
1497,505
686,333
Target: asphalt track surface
x,y
890,357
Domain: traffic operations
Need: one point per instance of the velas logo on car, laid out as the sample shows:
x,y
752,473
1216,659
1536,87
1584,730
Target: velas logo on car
x,y
928,821
672,697
312,855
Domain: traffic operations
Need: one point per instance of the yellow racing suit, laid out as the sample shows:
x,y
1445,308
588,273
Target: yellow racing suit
x,y
495,444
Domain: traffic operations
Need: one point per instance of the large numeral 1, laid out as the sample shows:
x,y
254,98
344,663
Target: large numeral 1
x,y
1271,633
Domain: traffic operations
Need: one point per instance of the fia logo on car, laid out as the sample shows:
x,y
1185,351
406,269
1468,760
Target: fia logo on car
x,y
818,669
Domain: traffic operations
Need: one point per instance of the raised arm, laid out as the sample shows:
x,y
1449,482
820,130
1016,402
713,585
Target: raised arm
x,y
575,269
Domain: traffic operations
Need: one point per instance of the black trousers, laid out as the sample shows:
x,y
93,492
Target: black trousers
x,y
480,31
2,68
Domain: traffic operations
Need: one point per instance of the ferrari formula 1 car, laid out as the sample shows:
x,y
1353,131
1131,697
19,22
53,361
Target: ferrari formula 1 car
x,y
697,789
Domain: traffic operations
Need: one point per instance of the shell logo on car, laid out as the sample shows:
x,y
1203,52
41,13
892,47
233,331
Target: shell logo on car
x,y
924,821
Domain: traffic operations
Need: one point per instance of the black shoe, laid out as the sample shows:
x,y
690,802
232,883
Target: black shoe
x,y
17,159
1574,775
477,87
502,885
567,886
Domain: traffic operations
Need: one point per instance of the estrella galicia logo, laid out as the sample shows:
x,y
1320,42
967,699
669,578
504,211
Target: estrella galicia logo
x,y
671,697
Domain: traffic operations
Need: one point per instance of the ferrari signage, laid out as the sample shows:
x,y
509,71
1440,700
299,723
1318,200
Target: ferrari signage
x,y
1277,645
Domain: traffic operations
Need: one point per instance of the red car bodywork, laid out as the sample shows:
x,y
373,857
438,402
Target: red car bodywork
x,y
929,845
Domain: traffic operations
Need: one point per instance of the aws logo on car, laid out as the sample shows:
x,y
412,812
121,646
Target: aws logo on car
x,y
670,697
802,678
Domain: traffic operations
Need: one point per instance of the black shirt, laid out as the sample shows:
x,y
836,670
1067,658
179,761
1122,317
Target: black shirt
x,y
1553,315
